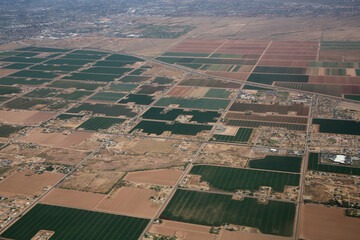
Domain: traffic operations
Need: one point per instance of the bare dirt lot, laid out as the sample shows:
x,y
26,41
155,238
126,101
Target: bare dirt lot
x,y
142,153
27,183
318,222
24,117
57,139
72,198
92,181
159,177
130,201
231,235
185,231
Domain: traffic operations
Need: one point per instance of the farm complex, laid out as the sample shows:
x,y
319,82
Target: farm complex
x,y
211,139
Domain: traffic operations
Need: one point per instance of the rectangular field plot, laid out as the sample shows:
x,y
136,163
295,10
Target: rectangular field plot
x,y
55,68
123,58
328,89
21,81
108,110
123,87
191,65
300,109
278,163
107,96
92,77
97,123
7,130
232,179
338,126
352,97
111,64
197,116
217,93
74,84
18,65
71,223
286,70
209,83
34,74
23,60
256,124
42,93
72,62
211,209
26,103
185,54
150,89
74,95
338,45
242,135
138,99
314,164
90,52
82,56
134,79
158,128
270,78
268,118
108,70
163,80
46,49
9,90
202,103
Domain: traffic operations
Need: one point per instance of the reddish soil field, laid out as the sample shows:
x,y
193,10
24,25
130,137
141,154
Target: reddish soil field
x,y
159,177
335,80
291,52
295,43
193,50
185,231
269,118
350,89
24,117
188,92
236,51
232,75
231,235
178,91
339,55
283,63
56,139
130,201
72,198
320,223
200,46
27,183
300,109
289,57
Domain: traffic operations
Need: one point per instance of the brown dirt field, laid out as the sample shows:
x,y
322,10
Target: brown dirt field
x,y
188,91
320,222
63,156
24,117
185,231
73,199
92,181
55,139
130,201
21,184
283,63
177,91
350,89
339,55
5,72
231,235
289,57
240,51
159,177
232,75
335,80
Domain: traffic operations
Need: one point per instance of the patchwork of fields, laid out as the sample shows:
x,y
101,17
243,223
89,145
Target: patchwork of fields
x,y
194,156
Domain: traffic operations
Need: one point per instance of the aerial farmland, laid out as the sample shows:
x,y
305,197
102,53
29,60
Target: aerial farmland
x,y
211,139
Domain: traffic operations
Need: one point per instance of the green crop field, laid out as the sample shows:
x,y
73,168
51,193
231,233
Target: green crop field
x,y
3,99
123,87
7,130
23,59
90,52
9,90
42,93
158,128
338,126
27,54
202,103
231,179
278,163
313,164
138,99
332,64
191,65
97,123
18,65
46,49
163,80
82,56
226,55
111,64
218,67
74,95
71,223
211,209
59,68
242,135
256,124
135,79
108,70
26,103
92,77
248,87
171,115
68,116
72,62
22,81
150,89
108,110
34,74
107,96
353,97
217,93
337,45
270,78
123,58
75,84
